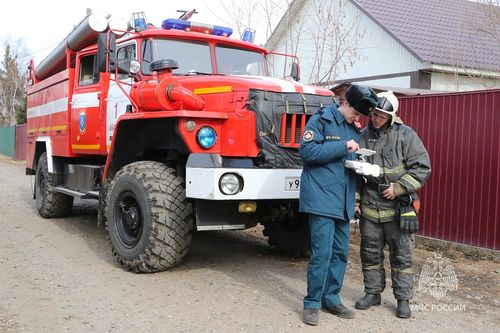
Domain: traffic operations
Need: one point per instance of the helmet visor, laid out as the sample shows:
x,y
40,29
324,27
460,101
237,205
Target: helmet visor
x,y
384,105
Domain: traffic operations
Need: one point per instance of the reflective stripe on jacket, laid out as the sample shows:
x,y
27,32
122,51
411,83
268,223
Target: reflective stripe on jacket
x,y
403,160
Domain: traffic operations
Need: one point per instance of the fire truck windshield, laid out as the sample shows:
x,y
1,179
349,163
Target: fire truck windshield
x,y
232,61
194,58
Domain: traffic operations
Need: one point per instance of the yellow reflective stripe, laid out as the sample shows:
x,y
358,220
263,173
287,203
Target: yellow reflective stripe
x,y
86,147
378,213
408,270
373,267
412,213
213,90
357,196
53,128
413,182
397,169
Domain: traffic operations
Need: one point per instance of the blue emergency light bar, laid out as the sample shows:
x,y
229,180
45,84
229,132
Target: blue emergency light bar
x,y
197,27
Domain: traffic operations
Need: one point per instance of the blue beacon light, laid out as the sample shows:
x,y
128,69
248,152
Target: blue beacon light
x,y
140,22
248,35
175,24
197,27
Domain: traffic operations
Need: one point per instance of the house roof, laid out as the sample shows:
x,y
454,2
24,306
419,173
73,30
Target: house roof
x,y
458,33
284,23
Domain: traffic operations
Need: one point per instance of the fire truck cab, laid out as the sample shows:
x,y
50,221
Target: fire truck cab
x,y
172,129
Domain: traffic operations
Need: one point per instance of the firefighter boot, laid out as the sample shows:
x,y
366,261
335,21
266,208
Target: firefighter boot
x,y
368,301
403,310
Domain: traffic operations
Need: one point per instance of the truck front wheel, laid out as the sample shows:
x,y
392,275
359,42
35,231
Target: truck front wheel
x,y
49,203
148,218
290,235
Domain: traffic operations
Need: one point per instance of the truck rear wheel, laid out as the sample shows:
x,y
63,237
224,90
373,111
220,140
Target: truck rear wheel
x,y
49,203
290,236
148,218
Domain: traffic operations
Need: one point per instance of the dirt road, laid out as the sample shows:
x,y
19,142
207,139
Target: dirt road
x,y
59,276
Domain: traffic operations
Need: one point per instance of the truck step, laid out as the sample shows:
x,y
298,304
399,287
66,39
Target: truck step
x,y
77,194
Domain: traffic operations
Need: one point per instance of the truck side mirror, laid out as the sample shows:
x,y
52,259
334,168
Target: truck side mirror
x,y
128,66
106,50
294,71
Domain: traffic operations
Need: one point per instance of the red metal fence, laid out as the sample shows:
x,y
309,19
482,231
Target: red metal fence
x,y
20,142
461,131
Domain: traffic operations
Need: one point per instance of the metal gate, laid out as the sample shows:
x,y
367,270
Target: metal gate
x,y
461,131
20,142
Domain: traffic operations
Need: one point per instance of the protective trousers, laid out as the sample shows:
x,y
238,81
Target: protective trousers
x,y
329,253
374,237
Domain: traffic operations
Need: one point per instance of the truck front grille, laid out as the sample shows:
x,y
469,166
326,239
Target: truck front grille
x,y
292,128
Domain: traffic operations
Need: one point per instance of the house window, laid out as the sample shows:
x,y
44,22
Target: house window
x,y
88,71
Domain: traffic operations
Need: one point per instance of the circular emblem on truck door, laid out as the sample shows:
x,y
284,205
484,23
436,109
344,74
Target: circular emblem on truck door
x,y
82,122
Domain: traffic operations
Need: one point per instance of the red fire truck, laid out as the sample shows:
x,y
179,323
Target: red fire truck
x,y
172,129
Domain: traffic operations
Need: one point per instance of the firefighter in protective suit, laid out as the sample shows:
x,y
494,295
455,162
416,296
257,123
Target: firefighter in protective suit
x,y
384,202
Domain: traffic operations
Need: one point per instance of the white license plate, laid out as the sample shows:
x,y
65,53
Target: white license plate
x,y
292,183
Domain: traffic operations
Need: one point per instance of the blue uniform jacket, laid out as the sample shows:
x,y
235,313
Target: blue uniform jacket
x,y
327,187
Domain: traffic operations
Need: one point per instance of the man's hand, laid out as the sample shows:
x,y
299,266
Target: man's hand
x,y
389,193
352,146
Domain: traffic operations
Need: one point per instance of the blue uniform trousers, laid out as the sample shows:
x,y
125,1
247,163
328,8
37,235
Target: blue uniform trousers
x,y
329,253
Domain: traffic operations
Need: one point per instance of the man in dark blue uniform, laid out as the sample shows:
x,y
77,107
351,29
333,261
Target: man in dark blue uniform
x,y
327,193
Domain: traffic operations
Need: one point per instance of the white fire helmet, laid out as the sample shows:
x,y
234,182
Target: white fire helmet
x,y
388,103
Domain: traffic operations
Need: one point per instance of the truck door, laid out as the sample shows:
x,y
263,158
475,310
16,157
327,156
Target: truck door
x,y
85,116
117,99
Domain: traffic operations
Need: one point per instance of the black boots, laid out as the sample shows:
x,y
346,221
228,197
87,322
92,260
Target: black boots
x,y
368,301
311,317
403,310
340,311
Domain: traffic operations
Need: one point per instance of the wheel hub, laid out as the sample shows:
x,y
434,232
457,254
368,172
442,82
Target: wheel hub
x,y
131,216
128,219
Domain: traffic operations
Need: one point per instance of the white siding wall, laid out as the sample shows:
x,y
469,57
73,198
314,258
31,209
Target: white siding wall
x,y
400,82
377,52
451,82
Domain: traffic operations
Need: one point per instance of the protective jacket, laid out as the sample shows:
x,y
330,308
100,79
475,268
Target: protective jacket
x,y
327,188
403,160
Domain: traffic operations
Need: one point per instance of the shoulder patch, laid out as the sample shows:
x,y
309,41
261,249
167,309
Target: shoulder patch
x,y
308,135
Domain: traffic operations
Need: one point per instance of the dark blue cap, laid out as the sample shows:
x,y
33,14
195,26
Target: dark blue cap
x,y
361,98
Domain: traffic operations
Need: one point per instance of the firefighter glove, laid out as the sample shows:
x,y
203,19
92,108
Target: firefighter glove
x,y
408,221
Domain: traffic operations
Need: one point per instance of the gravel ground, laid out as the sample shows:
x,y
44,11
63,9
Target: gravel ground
x,y
59,276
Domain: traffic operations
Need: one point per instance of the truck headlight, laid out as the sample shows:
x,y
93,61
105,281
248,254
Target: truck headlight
x,y
230,183
206,137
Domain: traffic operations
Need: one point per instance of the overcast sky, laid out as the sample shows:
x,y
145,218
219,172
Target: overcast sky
x,y
43,24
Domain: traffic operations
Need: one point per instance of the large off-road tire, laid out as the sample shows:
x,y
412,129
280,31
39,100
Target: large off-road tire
x,y
148,218
49,203
290,236
103,204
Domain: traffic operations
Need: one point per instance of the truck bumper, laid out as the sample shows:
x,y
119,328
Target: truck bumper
x,y
204,171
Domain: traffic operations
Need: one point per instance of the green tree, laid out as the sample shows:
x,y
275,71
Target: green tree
x,y
12,84
21,109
